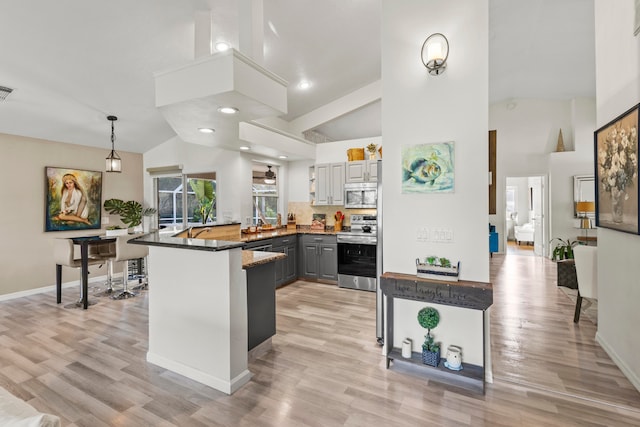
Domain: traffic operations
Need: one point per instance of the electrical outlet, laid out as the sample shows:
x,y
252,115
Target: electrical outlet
x,y
422,234
105,220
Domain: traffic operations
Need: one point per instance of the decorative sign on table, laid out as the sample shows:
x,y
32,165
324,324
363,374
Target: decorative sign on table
x,y
465,294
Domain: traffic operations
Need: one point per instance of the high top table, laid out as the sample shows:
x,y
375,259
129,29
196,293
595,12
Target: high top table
x,y
85,242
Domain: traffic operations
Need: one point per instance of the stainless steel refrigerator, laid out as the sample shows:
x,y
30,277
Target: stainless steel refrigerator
x,y
379,264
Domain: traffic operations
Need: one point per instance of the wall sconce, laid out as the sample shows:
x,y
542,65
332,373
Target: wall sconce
x,y
434,54
114,164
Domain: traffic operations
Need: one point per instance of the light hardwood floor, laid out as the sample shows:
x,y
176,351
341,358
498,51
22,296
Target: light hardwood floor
x,y
325,369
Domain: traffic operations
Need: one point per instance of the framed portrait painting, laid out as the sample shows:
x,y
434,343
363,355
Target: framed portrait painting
x,y
616,154
73,199
428,168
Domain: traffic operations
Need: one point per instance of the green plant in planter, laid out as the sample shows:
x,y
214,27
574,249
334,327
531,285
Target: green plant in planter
x,y
429,318
563,249
206,196
432,260
444,262
130,212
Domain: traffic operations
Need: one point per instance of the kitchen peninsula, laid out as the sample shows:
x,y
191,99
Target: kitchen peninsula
x,y
198,313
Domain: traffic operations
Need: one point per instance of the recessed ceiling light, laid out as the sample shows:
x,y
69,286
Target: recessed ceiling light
x,y
245,148
206,130
222,46
228,110
282,157
304,85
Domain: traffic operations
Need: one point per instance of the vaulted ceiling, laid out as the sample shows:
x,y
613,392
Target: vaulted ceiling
x,y
73,62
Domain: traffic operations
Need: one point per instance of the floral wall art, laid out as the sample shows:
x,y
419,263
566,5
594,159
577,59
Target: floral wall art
x,y
616,149
428,168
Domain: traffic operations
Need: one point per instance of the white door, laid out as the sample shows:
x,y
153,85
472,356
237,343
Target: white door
x,y
537,188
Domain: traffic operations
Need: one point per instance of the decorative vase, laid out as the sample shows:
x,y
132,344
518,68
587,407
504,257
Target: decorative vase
x,y
617,205
431,358
560,145
146,224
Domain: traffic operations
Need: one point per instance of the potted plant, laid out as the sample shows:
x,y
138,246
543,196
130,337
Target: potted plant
x,y
147,218
438,268
206,197
563,249
429,318
130,212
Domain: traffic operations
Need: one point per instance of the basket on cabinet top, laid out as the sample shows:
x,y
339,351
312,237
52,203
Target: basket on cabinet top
x,y
354,154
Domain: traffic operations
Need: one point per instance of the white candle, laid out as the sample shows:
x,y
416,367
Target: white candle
x,y
406,348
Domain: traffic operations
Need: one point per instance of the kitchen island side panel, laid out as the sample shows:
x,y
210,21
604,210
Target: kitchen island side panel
x,y
198,315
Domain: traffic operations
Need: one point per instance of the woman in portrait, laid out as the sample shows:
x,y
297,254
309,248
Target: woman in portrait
x,y
73,203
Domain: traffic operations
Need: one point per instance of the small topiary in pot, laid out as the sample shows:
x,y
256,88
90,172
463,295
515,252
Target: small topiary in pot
x,y
429,318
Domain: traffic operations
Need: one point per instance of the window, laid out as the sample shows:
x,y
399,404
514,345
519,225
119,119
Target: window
x,y
174,204
265,197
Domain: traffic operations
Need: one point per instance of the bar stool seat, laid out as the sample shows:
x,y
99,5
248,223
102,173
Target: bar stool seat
x,y
64,255
126,252
106,253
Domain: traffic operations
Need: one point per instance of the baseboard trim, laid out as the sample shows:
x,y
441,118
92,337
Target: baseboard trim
x,y
50,288
626,370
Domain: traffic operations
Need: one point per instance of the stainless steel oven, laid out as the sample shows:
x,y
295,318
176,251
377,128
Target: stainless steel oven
x,y
357,254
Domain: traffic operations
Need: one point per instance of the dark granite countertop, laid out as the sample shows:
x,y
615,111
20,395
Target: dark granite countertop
x,y
157,239
279,232
254,258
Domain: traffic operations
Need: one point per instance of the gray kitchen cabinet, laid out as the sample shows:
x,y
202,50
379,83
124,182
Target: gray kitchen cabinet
x,y
287,268
329,184
361,171
318,257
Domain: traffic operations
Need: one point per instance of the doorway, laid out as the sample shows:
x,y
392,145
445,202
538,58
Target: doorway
x,y
525,226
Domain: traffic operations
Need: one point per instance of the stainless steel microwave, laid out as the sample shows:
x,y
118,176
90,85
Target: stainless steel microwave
x,y
360,195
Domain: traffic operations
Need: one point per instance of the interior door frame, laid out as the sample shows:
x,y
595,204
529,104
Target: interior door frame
x,y
542,220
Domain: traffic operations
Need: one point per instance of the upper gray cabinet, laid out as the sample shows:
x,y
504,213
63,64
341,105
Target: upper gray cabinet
x,y
329,184
361,171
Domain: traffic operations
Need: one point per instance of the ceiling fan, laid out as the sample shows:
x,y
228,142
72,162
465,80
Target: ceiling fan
x,y
269,176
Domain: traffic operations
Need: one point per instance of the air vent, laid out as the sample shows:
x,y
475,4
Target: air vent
x,y
5,92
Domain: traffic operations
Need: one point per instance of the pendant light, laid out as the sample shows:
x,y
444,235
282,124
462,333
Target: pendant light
x,y
114,164
269,176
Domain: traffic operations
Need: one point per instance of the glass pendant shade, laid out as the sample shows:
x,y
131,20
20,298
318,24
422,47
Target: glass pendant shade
x,y
113,161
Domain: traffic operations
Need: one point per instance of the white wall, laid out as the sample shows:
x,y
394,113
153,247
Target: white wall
x,y
233,174
299,180
336,152
419,109
618,89
527,135
27,250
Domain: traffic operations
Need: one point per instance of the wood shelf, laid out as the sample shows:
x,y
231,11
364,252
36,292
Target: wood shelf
x,y
470,376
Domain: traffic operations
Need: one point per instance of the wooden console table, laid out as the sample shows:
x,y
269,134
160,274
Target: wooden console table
x,y
463,294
